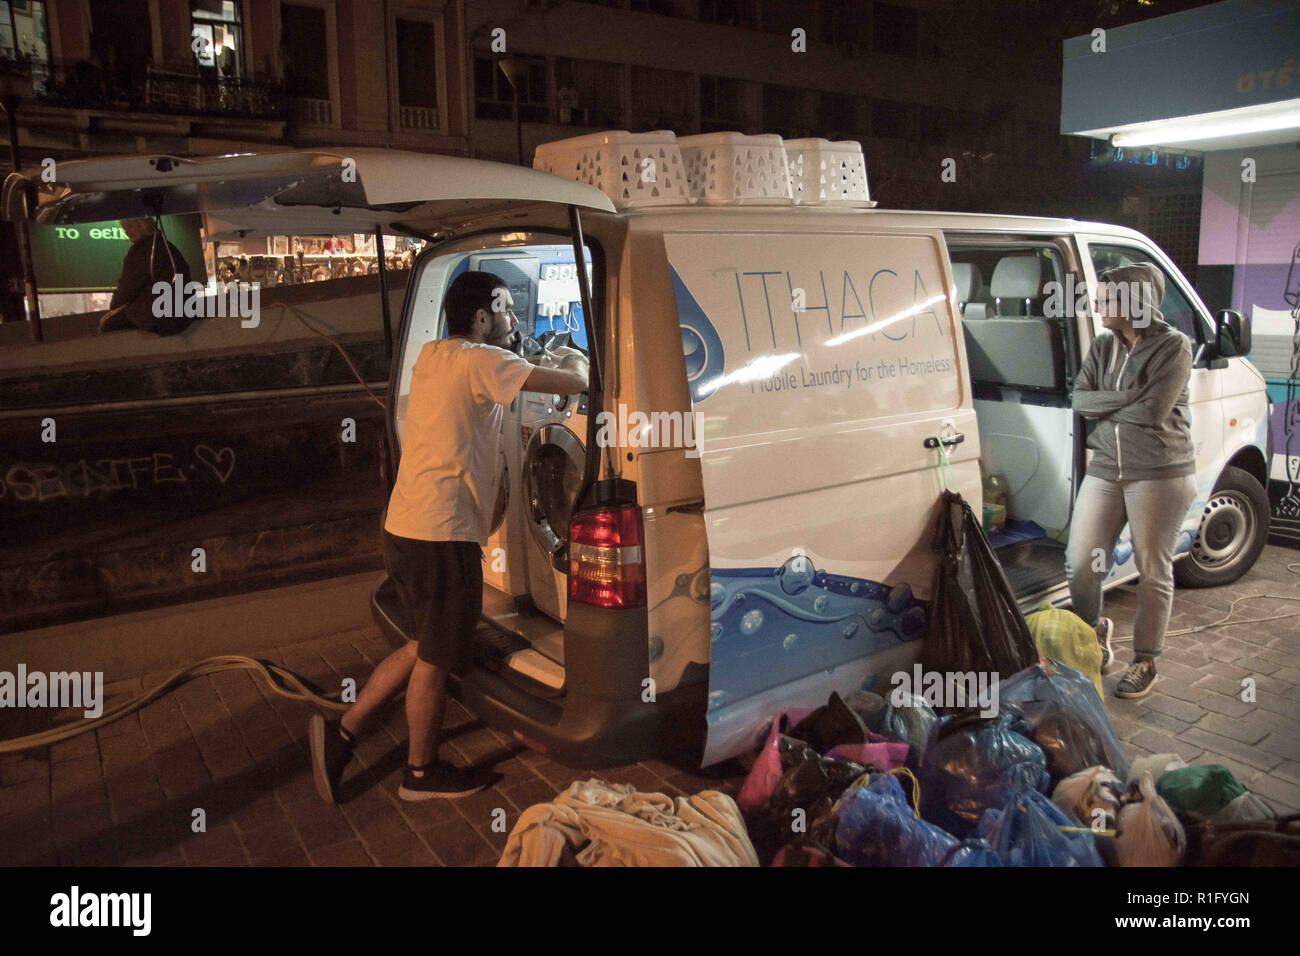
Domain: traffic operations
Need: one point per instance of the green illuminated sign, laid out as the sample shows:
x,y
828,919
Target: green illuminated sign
x,y
88,257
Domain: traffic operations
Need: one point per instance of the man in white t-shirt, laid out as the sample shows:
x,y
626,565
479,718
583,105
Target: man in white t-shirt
x,y
438,519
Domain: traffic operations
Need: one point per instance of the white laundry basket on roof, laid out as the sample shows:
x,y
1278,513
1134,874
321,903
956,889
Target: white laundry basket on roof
x,y
824,172
632,169
732,168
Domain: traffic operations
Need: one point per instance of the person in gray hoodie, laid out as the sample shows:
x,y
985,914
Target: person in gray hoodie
x,y
1134,383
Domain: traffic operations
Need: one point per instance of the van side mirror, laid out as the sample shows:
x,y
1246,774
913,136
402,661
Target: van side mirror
x,y
1231,333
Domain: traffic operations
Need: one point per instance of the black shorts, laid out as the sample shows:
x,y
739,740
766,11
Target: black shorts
x,y
440,585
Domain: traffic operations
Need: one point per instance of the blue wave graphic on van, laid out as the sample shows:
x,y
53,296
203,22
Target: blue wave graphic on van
x,y
771,626
701,344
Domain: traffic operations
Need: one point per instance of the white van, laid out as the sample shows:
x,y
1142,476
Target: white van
x,y
774,363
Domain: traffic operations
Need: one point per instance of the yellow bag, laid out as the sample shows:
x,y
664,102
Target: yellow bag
x,y
1066,637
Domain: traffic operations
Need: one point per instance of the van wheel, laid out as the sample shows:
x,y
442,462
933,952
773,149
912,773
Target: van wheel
x,y
1233,529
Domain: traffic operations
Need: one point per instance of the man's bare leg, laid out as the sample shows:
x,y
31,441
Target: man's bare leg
x,y
392,674
426,703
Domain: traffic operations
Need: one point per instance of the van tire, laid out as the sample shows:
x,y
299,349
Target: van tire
x,y
1239,510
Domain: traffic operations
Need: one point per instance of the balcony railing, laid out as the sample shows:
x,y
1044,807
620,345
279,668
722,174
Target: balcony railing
x,y
419,117
86,86
311,111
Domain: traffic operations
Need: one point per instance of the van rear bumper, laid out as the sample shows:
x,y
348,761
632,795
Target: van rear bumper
x,y
581,725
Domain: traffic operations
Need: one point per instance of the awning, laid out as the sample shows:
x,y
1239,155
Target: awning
x,y
1224,76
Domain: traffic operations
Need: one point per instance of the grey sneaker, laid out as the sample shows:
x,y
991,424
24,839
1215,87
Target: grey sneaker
x,y
441,779
1105,630
1137,680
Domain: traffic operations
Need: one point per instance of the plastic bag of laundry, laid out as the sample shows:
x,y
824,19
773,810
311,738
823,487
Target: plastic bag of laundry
x,y
1147,833
1091,796
973,763
1051,682
1030,830
975,624
908,718
877,827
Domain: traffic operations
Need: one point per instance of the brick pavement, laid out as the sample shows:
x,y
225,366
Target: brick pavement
x,y
225,743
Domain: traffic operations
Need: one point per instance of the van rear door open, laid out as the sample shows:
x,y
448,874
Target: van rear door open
x,y
823,365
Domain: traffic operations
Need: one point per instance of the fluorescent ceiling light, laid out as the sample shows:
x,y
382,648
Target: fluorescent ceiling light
x,y
1254,119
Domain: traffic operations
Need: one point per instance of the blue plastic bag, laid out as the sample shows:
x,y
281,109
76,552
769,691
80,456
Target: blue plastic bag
x,y
1027,832
973,763
1071,691
876,827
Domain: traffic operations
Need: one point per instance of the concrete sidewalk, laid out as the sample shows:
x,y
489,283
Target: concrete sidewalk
x,y
228,745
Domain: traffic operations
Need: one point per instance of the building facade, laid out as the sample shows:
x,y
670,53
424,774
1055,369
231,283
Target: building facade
x,y
199,77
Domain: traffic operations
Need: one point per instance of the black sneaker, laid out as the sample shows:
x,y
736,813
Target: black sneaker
x,y
330,753
441,779
1137,680
1105,630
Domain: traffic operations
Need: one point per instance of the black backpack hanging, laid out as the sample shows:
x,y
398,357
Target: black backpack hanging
x,y
974,622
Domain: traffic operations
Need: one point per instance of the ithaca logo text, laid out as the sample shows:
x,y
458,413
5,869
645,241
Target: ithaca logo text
x,y
58,689
102,909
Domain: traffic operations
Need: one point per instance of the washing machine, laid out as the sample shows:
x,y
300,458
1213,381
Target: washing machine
x,y
554,429
505,561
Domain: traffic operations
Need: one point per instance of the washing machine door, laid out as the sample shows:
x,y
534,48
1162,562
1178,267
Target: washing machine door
x,y
501,504
553,468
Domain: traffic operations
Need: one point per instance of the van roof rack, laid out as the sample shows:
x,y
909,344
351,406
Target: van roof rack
x,y
638,170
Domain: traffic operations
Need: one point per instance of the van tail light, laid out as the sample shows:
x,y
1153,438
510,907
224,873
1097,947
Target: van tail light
x,y
606,558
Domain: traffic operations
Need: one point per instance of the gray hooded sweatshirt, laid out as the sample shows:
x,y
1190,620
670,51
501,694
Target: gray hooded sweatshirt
x,y
1139,397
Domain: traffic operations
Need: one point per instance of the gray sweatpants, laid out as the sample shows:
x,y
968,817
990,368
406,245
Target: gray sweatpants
x,y
1154,511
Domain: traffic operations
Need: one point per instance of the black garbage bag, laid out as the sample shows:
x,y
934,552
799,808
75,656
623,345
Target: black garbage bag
x,y
829,726
810,784
974,622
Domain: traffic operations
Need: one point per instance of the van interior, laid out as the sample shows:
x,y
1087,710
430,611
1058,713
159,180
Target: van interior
x,y
543,456
1021,361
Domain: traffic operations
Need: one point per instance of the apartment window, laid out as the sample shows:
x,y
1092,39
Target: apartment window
x,y
721,104
890,119
588,93
783,111
303,44
493,98
24,34
782,16
843,21
665,8
417,73
662,99
216,37
730,13
940,126
120,35
894,29
839,116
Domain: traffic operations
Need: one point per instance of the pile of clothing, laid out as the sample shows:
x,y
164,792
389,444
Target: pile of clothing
x,y
595,823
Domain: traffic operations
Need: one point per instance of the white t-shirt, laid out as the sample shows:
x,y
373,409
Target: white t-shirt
x,y
451,446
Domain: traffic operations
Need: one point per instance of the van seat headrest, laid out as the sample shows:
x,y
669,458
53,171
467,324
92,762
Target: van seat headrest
x,y
968,279
1017,277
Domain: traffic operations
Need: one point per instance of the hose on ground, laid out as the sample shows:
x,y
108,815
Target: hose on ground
x,y
281,680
